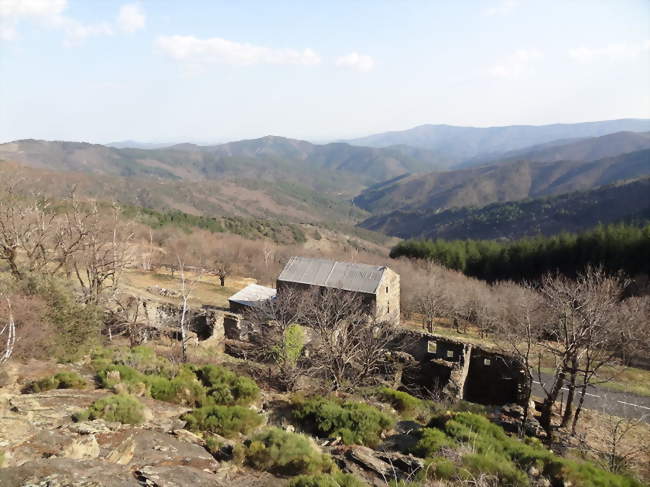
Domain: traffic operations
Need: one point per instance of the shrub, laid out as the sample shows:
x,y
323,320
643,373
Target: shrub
x,y
128,375
223,420
119,407
430,441
337,479
183,389
227,388
280,452
354,422
409,406
145,360
496,465
62,380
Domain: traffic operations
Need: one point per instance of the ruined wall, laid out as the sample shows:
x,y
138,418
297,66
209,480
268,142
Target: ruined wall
x,y
465,371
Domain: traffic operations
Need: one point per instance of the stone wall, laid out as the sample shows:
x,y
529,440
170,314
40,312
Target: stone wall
x,y
388,297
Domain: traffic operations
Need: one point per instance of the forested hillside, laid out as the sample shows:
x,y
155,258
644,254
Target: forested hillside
x,y
516,219
614,247
497,183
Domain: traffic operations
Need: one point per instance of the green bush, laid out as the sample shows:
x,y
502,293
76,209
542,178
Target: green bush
x,y
354,422
62,380
280,452
145,360
409,406
223,420
497,466
120,408
337,479
225,387
430,441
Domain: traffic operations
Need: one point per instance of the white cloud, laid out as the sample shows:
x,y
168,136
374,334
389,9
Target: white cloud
x,y
131,17
502,8
516,66
613,52
354,60
195,51
48,13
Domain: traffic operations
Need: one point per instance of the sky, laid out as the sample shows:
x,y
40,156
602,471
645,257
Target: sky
x,y
210,71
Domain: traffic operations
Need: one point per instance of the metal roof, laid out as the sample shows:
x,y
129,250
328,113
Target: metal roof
x,y
253,295
348,276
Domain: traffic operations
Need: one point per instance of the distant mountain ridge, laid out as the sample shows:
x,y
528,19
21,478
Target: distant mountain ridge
x,y
462,143
336,167
570,212
480,186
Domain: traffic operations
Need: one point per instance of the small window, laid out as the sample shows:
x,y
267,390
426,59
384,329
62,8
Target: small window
x,y
388,306
487,361
432,346
386,289
450,353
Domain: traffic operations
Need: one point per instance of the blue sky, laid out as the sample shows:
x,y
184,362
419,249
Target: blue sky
x,y
209,71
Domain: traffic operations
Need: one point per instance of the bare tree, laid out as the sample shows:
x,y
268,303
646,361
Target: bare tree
x,y
579,333
349,344
187,286
9,331
280,338
519,329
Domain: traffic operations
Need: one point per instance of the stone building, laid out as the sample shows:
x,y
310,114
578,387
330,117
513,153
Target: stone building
x,y
378,286
251,296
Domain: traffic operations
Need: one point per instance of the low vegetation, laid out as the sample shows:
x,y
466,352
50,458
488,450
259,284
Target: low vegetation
x,y
226,421
281,452
354,422
407,405
61,380
120,408
326,480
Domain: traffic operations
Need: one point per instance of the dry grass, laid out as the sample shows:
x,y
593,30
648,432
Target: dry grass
x,y
206,291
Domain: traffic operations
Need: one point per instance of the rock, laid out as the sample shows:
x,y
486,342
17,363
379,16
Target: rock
x,y
85,447
93,427
67,472
113,376
533,471
513,410
123,453
177,476
185,435
367,458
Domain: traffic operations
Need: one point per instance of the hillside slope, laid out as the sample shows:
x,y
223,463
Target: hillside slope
x,y
483,185
462,143
336,168
512,220
585,149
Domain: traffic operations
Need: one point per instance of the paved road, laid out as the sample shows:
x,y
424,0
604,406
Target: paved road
x,y
621,404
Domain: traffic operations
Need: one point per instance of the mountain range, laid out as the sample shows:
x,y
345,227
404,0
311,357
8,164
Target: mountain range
x,y
479,186
299,181
460,144
572,212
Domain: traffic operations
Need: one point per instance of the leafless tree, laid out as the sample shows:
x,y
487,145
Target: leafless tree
x,y
579,332
187,286
8,331
278,339
518,329
349,344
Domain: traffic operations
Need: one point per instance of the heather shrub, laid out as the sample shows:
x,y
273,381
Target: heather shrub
x,y
354,422
227,421
225,387
430,441
337,479
407,405
280,452
145,360
120,408
61,380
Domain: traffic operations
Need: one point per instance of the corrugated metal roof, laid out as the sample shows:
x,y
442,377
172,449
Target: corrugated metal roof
x,y
253,295
328,273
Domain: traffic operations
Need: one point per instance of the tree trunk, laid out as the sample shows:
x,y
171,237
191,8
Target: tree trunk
x,y
549,402
568,410
583,391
